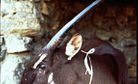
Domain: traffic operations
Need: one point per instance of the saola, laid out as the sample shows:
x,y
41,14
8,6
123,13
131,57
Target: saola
x,y
109,66
52,67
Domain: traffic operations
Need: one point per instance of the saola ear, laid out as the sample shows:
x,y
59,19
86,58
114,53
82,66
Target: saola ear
x,y
73,46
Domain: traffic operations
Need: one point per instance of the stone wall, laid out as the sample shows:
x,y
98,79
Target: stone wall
x,y
20,21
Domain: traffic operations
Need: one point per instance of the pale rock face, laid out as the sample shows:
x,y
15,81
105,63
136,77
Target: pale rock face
x,y
11,68
16,43
19,17
2,48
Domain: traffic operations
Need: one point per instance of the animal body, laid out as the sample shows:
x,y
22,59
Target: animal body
x,y
52,66
109,66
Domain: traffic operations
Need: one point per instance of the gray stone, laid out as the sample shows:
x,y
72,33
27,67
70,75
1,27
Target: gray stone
x,y
16,43
104,35
3,48
36,0
129,48
20,17
14,0
12,68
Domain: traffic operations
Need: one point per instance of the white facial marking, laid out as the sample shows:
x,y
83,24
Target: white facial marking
x,y
50,79
39,60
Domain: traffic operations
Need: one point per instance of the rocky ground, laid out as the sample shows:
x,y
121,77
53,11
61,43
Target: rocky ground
x,y
27,26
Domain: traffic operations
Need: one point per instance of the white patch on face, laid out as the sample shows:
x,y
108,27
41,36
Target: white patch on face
x,y
42,56
50,79
73,46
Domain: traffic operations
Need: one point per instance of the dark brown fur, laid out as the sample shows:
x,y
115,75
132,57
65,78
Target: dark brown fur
x,y
109,66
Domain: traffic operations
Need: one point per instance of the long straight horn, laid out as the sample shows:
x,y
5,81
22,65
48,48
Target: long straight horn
x,y
54,41
66,27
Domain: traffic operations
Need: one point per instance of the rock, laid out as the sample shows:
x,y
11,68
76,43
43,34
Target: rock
x,y
36,0
19,17
110,12
132,69
2,48
12,67
132,80
129,49
104,35
97,20
47,0
44,9
16,43
122,21
9,0
129,11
